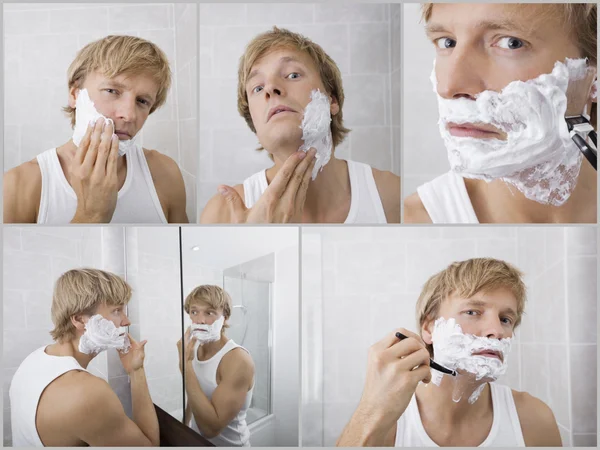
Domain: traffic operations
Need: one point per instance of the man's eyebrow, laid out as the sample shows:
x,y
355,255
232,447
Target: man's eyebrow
x,y
505,24
119,85
282,60
481,303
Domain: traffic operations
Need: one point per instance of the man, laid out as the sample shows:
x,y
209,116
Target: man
x,y
54,400
485,47
486,298
219,374
277,74
127,79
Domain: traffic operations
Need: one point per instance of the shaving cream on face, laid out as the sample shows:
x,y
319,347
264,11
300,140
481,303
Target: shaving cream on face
x,y
316,129
454,349
208,333
86,113
101,334
538,156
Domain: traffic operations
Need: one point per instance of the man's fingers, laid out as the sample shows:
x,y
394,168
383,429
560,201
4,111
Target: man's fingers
x,y
84,144
391,339
293,185
236,206
113,155
92,152
301,194
281,180
417,358
105,146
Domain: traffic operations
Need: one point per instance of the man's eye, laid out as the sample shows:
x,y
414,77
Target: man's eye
x,y
506,320
445,43
293,75
470,312
144,102
510,43
257,89
111,91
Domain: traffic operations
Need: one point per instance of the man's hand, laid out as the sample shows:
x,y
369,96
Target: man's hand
x,y
93,174
189,349
283,201
394,370
134,358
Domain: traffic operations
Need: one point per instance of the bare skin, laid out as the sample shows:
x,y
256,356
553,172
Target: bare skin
x,y
286,77
479,59
447,423
79,409
93,169
235,377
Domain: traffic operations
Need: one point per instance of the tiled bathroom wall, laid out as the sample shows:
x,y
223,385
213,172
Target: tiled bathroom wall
x,y
356,36
33,260
42,39
559,330
396,83
372,299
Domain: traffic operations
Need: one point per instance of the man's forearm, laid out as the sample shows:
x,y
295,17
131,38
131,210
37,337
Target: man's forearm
x,y
203,410
362,431
144,414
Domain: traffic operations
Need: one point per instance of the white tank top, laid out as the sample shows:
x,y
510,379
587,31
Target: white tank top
x,y
32,377
506,427
236,433
365,203
137,200
446,200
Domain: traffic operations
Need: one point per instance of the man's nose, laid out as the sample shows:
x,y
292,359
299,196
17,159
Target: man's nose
x,y
493,328
126,109
460,74
274,87
125,322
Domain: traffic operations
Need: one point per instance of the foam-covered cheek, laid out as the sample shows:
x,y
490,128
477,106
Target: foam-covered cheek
x,y
101,334
538,156
208,333
86,113
316,129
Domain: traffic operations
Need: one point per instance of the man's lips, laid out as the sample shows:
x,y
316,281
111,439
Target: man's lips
x,y
490,354
123,134
474,130
279,109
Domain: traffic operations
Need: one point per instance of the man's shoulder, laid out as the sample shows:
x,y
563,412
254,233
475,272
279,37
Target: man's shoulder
x,y
160,163
28,172
22,187
217,210
537,420
238,363
414,210
388,187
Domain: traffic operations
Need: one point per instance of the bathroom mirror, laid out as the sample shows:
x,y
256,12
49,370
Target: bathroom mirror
x,y
256,268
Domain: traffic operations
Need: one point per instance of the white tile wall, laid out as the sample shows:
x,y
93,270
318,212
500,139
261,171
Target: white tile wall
x,y
356,36
41,41
361,300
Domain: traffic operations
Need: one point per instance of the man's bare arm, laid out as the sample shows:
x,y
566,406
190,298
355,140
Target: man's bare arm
x,y
213,415
537,421
98,418
168,180
22,192
414,211
388,186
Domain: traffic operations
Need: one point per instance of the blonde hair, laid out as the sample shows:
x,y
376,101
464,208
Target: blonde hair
x,y
212,295
117,55
81,291
328,71
466,279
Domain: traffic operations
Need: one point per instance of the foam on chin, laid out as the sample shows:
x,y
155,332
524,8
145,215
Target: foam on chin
x,y
85,112
208,333
316,129
538,156
101,334
454,349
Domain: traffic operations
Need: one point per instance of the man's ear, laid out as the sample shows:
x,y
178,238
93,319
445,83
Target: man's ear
x,y
427,331
335,106
73,93
78,323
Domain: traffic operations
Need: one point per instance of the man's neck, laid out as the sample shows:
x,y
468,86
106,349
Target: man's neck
x,y
436,403
328,196
210,349
70,348
500,202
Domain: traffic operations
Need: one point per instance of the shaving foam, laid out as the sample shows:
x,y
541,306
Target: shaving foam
x,y
101,334
538,156
455,350
316,129
86,113
208,333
